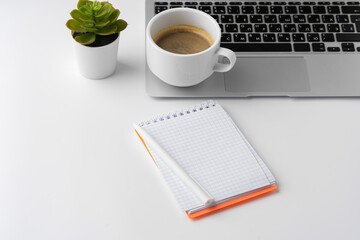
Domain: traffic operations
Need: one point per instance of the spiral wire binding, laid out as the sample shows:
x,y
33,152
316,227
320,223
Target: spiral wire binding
x,y
192,109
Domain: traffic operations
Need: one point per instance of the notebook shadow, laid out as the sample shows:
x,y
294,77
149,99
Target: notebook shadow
x,y
257,198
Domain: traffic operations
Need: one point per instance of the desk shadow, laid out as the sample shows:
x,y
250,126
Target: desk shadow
x,y
122,69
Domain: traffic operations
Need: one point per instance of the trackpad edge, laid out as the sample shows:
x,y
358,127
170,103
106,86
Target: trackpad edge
x,y
268,74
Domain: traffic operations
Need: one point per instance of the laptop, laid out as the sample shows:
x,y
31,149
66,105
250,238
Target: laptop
x,y
283,48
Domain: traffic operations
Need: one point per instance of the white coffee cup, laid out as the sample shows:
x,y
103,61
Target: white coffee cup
x,y
185,70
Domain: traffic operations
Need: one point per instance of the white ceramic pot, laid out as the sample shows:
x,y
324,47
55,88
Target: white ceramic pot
x,y
97,62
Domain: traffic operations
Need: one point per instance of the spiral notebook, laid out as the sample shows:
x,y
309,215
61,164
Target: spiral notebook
x,y
207,144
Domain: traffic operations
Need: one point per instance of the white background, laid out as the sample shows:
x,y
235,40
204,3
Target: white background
x,y
71,166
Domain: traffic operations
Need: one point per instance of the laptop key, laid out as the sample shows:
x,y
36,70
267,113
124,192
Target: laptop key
x,y
190,6
294,3
270,18
333,49
290,9
241,18
254,37
216,17
284,18
206,3
319,9
347,27
338,3
328,19
218,10
250,3
269,37
333,9
299,19
298,37
220,3
227,18
313,37
161,3
222,27
333,28
327,37
356,20
260,28
350,9
276,9
353,3
289,28
262,9
233,9
246,28
304,9
205,9
225,37
239,37
258,47
318,47
279,3
235,3
159,9
231,28
176,3
191,3
348,47
275,28
319,28
301,47
342,18
348,37
247,9
304,28
264,3
313,18
283,37
256,19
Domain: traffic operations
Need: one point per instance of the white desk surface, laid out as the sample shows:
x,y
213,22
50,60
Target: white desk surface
x,y
71,166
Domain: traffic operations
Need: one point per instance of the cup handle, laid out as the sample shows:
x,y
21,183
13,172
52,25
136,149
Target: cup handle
x,y
222,67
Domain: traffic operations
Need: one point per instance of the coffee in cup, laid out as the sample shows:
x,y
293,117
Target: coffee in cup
x,y
183,39
177,63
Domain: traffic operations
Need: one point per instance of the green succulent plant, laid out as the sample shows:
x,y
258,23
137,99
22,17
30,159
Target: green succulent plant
x,y
92,18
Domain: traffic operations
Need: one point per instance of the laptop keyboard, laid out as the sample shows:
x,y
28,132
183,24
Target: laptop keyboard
x,y
282,26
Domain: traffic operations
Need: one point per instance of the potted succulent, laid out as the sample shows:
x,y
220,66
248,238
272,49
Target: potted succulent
x,y
95,27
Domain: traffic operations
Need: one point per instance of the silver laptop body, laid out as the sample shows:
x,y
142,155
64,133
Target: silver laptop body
x,y
293,74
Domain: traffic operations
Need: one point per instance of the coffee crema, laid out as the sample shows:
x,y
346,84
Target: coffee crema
x,y
183,39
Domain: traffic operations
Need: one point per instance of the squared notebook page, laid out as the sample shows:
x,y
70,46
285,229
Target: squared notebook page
x,y
207,144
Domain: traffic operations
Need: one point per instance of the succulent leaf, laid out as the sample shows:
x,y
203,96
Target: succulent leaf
x,y
80,17
120,25
94,18
102,24
111,29
86,10
104,17
89,29
82,3
75,26
106,8
114,15
87,38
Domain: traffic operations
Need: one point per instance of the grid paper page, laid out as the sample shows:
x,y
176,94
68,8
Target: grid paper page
x,y
208,145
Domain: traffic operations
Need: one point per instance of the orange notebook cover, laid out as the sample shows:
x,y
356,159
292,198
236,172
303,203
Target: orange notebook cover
x,y
205,141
